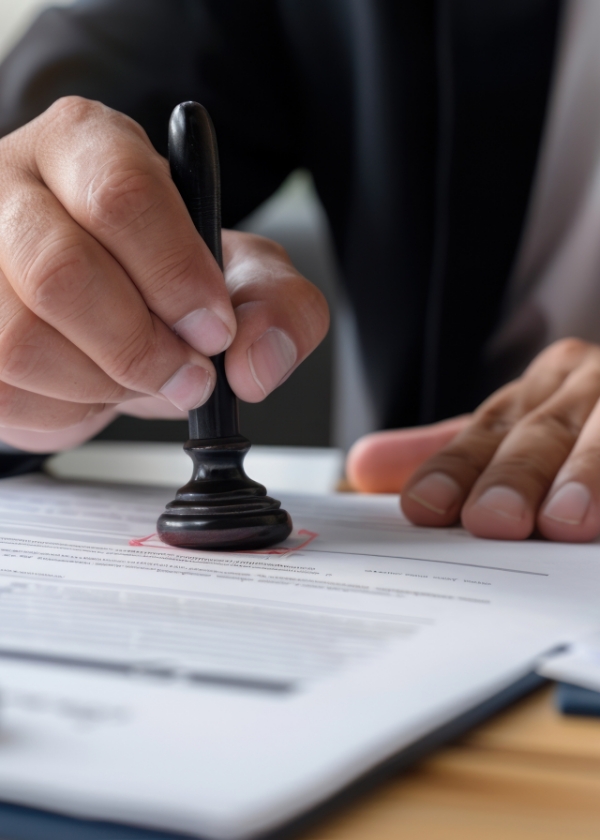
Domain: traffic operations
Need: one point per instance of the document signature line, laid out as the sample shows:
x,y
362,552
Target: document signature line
x,y
429,560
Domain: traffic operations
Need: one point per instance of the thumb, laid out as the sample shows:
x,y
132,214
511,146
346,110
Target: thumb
x,y
383,462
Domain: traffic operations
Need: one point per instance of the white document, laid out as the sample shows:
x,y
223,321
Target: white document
x,y
223,694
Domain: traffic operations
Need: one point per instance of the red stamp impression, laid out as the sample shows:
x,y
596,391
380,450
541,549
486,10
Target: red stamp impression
x,y
296,541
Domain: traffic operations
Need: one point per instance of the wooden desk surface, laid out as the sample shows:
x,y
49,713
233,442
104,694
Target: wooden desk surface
x,y
528,774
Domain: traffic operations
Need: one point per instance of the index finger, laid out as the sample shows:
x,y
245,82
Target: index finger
x,y
103,169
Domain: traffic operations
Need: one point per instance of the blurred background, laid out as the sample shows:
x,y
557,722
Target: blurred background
x,y
323,403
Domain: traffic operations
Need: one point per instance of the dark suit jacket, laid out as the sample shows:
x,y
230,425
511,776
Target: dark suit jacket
x,y
419,119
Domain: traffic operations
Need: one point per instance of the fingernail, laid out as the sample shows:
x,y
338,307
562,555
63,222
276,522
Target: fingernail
x,y
204,331
271,358
188,388
504,501
437,492
569,504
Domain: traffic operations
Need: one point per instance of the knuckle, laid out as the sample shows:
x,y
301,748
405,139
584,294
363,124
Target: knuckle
x,y
55,283
275,248
531,467
23,214
562,354
545,439
570,346
554,423
499,413
459,459
132,362
74,110
20,357
249,256
170,274
122,196
255,243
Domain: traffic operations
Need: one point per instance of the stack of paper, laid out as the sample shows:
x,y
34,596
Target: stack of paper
x,y
223,695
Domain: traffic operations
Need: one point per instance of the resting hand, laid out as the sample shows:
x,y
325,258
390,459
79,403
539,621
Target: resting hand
x,y
528,458
109,299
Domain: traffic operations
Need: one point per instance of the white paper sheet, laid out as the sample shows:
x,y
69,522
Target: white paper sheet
x,y
300,469
223,694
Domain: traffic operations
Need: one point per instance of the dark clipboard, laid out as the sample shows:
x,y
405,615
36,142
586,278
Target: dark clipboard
x,y
576,700
21,823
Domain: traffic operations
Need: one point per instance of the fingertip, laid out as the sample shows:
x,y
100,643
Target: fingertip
x,y
271,359
433,500
206,331
564,532
254,371
189,387
368,468
490,526
498,513
570,514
